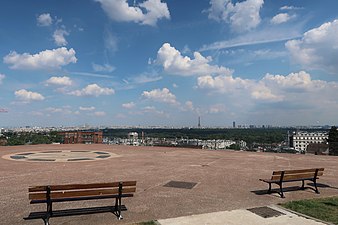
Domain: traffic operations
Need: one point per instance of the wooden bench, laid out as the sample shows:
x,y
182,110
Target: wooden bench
x,y
279,177
77,192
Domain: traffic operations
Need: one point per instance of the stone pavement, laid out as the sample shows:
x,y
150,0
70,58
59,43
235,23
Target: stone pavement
x,y
241,217
218,181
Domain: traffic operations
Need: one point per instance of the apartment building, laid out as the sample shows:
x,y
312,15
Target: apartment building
x,y
301,139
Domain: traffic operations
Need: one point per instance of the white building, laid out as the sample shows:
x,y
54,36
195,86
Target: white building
x,y
301,139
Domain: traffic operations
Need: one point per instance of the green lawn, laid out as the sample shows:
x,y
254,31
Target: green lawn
x,y
325,209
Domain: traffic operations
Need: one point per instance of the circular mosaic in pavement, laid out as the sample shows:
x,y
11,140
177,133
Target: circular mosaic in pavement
x,y
60,156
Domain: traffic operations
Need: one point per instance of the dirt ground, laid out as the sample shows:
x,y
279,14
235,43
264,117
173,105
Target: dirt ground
x,y
225,180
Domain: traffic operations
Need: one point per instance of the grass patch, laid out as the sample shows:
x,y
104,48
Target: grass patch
x,y
325,209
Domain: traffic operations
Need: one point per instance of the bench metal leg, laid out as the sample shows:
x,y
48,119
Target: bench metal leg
x,y
303,185
46,220
315,183
269,191
281,190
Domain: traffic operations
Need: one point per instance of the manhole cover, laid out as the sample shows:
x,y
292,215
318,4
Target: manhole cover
x,y
180,184
265,212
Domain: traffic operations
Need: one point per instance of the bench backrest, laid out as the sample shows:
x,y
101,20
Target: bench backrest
x,y
81,190
288,175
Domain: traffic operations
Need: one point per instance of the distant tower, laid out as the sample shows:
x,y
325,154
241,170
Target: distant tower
x,y
234,124
199,122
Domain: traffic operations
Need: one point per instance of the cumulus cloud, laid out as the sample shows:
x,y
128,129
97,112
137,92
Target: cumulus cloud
x,y
28,96
173,62
237,86
281,18
93,90
2,77
128,105
48,59
242,16
103,68
44,20
91,108
63,81
158,95
317,49
59,37
271,88
145,13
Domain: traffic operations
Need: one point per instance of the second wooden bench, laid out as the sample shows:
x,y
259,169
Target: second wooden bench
x,y
280,177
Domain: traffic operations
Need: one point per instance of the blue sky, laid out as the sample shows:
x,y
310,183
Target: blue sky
x,y
165,63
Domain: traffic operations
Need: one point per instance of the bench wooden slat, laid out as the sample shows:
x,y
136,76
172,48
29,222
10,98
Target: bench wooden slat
x,y
296,171
296,176
80,186
82,198
70,194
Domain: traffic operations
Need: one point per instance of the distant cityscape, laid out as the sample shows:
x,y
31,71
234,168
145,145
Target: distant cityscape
x,y
298,139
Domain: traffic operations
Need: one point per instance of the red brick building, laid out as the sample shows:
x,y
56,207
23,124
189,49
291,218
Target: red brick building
x,y
81,137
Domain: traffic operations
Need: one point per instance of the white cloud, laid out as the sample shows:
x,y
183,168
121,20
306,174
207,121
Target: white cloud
x,y
237,87
128,105
145,78
318,48
266,35
54,110
300,81
48,59
64,81
2,77
146,13
290,7
281,18
28,96
110,41
103,68
242,16
44,20
271,88
189,105
91,108
59,37
173,62
100,113
93,90
217,108
158,95
153,110
223,84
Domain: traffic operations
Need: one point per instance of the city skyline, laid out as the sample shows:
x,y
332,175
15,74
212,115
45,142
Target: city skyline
x,y
168,63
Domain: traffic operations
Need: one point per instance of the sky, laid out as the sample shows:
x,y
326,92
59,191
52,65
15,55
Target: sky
x,y
168,62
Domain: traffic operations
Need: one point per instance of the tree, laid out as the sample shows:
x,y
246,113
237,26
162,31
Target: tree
x,y
333,141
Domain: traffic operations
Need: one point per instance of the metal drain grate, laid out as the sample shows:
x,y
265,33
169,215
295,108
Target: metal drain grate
x,y
180,184
265,212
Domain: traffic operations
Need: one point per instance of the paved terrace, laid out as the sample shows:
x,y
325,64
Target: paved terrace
x,y
226,180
